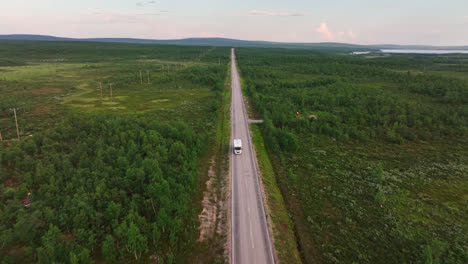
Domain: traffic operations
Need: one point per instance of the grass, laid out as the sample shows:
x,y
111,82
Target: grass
x,y
40,71
283,227
63,87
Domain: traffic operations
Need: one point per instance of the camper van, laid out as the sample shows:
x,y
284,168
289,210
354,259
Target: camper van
x,y
237,146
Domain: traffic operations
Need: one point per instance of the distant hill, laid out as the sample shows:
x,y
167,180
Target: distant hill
x,y
235,43
204,42
34,37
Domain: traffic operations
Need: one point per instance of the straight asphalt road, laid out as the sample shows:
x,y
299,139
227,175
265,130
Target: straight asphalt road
x,y
250,239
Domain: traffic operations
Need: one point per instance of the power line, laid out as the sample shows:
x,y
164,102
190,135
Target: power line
x,y
16,122
110,85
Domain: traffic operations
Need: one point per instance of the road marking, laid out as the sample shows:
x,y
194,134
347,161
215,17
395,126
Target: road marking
x,y
246,193
251,235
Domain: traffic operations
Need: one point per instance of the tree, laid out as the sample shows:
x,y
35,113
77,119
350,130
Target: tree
x,y
52,248
108,250
380,197
74,258
427,255
136,242
145,168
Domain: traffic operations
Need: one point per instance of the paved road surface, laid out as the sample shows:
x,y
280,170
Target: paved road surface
x,y
250,240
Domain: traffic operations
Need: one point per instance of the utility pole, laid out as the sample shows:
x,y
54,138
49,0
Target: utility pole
x,y
110,85
1,139
100,85
141,78
147,75
16,122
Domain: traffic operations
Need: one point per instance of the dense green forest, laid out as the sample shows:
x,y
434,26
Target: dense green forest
x,y
370,151
112,177
104,185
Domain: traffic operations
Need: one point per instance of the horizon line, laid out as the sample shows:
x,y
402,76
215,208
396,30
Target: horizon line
x,y
226,38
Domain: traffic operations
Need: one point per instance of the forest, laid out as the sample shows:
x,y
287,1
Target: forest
x,y
104,175
368,151
107,184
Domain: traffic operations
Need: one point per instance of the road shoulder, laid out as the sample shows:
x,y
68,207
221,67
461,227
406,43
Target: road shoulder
x,y
280,225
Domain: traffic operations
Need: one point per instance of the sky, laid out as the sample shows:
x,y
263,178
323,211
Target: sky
x,y
418,22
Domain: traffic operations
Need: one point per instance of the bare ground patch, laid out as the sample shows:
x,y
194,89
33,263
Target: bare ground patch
x,y
215,203
42,109
46,91
39,91
208,215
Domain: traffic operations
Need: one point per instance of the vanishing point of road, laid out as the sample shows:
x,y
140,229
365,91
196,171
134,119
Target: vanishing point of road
x,y
250,239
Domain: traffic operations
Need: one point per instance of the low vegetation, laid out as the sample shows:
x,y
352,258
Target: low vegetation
x,y
368,151
104,177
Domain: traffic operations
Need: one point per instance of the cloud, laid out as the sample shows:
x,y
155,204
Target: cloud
x,y
145,3
272,13
325,32
341,36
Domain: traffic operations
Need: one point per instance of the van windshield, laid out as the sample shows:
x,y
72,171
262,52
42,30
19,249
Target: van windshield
x,y
237,148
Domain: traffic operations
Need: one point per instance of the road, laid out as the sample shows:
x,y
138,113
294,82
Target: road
x,y
250,239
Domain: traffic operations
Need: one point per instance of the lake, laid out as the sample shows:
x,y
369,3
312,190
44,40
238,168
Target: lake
x,y
423,51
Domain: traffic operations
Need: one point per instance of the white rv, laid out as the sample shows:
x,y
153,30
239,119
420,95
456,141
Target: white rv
x,y
237,146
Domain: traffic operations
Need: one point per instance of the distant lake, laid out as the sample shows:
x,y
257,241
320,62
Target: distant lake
x,y
423,51
360,52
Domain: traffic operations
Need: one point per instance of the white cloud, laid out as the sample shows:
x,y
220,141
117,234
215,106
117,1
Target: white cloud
x,y
341,36
325,32
351,35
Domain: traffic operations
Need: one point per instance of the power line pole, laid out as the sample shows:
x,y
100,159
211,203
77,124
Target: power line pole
x,y
16,122
1,139
141,78
110,85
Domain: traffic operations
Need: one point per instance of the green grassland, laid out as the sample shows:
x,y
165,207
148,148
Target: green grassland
x,y
373,169
181,81
112,178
